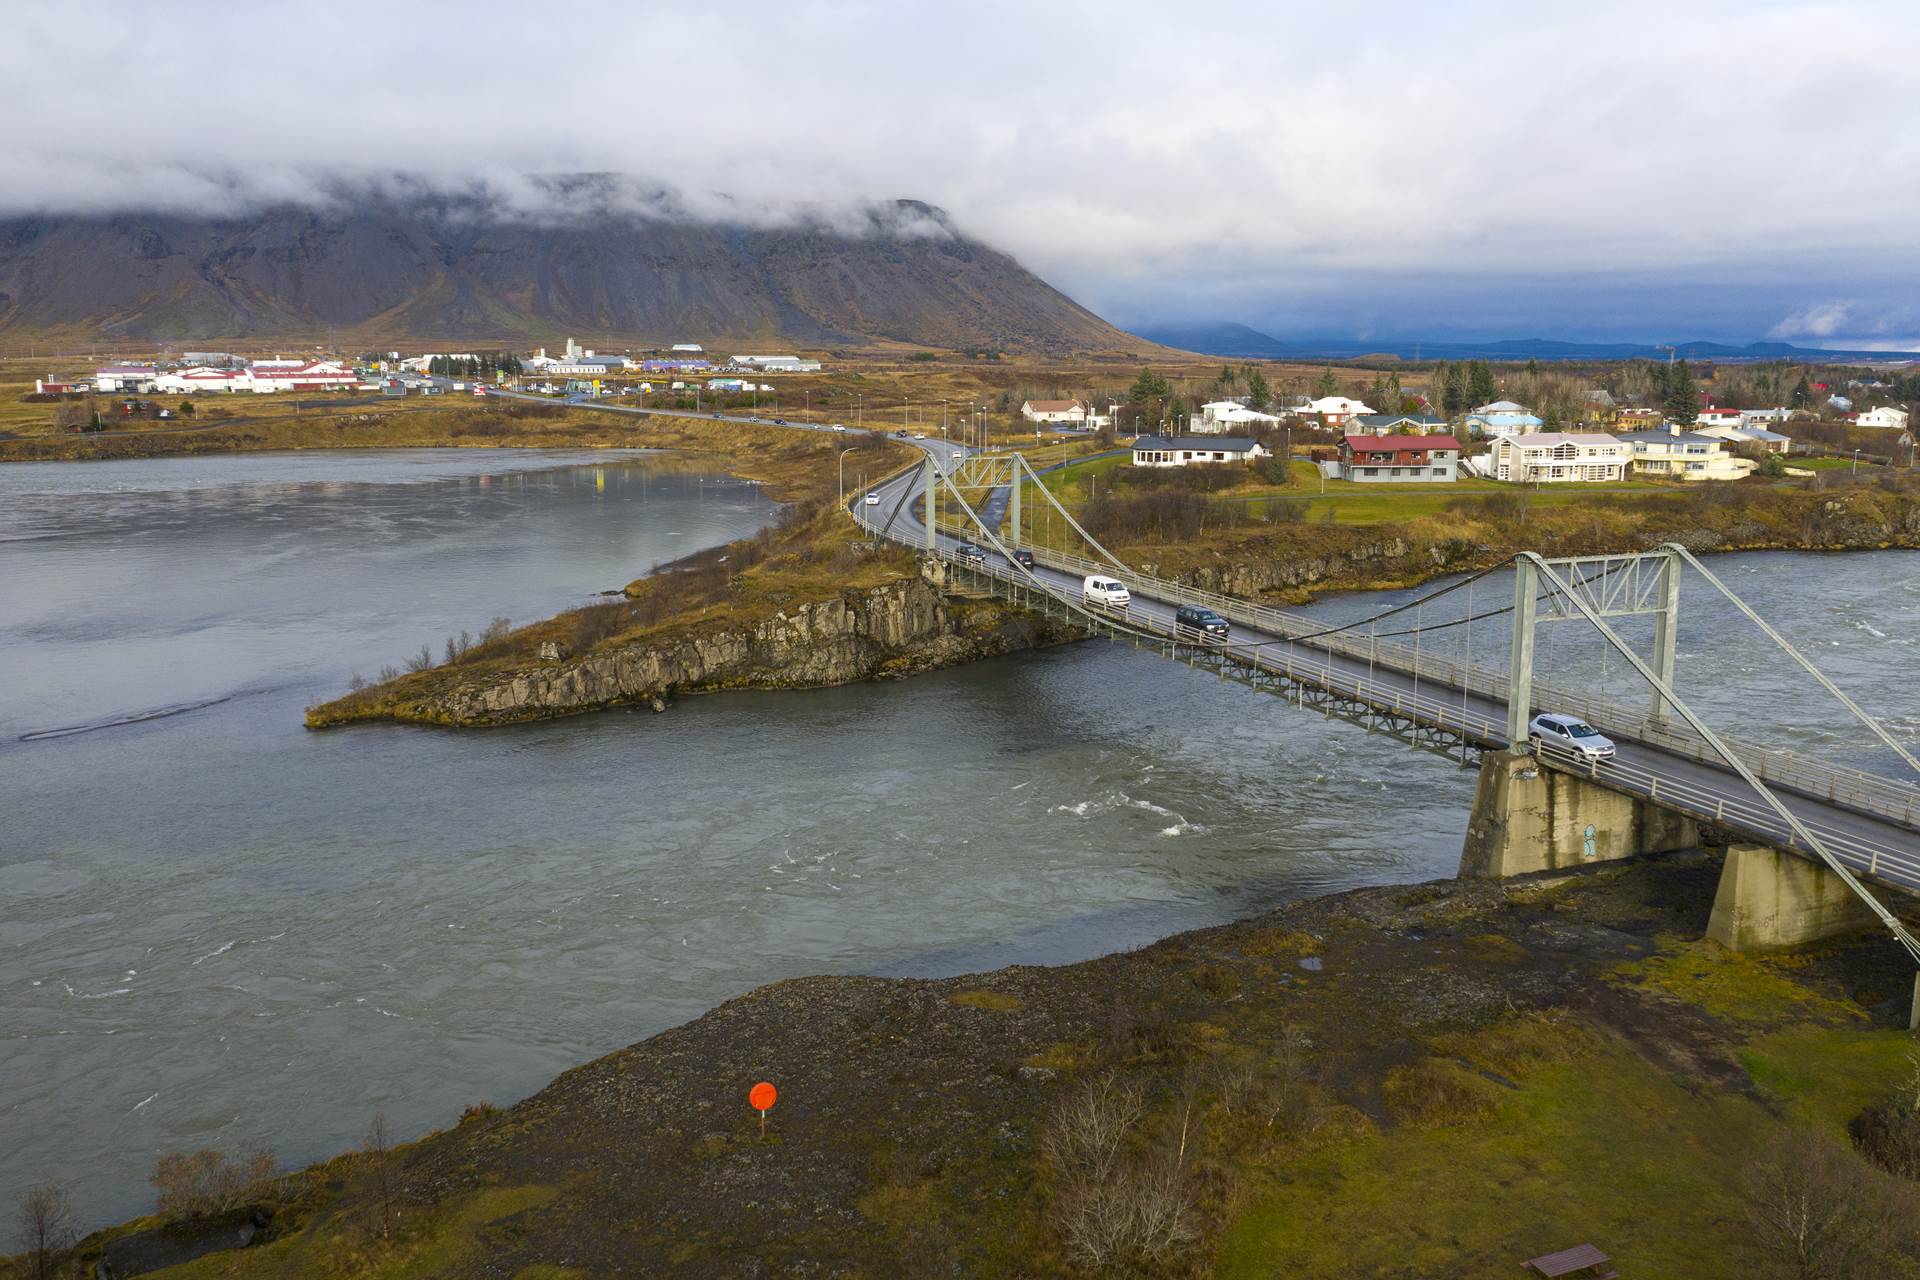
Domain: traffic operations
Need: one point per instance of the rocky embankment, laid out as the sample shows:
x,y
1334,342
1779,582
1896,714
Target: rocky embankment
x,y
1297,564
896,629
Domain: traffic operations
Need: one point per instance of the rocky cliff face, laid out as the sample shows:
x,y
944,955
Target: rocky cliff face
x,y
898,629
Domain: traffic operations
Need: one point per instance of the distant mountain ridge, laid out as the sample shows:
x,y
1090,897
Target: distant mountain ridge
x,y
1226,338
426,265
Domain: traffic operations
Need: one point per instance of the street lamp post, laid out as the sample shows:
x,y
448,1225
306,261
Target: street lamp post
x,y
842,468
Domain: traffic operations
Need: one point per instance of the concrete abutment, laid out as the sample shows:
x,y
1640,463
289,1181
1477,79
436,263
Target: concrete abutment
x,y
1527,818
1770,899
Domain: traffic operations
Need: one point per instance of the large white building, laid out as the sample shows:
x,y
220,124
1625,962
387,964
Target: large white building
x,y
1069,411
777,364
302,375
125,378
1685,455
1557,457
1218,416
1335,411
1188,451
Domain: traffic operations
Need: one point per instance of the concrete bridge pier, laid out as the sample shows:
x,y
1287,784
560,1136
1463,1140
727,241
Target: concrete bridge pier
x,y
1529,818
1770,899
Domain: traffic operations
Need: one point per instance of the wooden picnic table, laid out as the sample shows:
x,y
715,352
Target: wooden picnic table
x,y
1583,1261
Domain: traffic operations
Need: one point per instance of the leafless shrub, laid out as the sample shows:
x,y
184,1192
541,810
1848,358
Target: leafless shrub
x,y
422,660
1083,1140
496,631
458,646
388,674
1233,1081
44,1229
204,1183
357,683
1820,1212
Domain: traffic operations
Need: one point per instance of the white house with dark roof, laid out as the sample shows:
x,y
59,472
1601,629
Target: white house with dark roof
x,y
1190,451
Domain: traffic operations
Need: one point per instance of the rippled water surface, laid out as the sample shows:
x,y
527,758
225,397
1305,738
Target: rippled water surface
x,y
218,929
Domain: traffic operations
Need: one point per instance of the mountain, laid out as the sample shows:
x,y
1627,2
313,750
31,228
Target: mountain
x,y
1225,338
426,265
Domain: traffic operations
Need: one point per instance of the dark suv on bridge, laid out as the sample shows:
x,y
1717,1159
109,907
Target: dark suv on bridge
x,y
1191,619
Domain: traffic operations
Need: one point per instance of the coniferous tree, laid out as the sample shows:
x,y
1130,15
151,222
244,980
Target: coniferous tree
x,y
1328,386
1682,401
1481,388
1258,393
1453,396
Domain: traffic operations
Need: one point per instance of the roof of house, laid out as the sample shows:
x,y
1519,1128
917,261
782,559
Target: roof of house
x,y
1053,406
1399,444
1501,406
1232,444
1393,419
1759,433
1547,439
1689,437
1504,418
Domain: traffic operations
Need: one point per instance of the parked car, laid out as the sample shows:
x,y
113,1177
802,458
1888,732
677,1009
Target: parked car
x,y
1023,558
970,553
1191,619
1105,593
1570,733
873,499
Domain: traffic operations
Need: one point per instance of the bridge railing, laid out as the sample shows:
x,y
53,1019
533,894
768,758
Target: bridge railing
x,y
1868,792
1743,814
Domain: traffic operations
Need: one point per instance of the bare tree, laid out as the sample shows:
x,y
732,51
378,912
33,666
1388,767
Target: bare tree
x,y
44,1228
378,1148
206,1183
1821,1213
1089,1126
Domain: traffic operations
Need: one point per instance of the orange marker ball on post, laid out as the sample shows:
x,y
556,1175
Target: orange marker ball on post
x,y
761,1098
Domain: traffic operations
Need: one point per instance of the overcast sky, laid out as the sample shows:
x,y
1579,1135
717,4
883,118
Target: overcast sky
x,y
1674,170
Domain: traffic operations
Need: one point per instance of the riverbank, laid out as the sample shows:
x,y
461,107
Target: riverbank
x,y
1302,1089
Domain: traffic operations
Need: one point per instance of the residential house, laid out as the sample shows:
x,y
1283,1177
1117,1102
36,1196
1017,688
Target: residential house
x,y
1558,457
1219,415
1186,451
1068,411
1501,406
1771,441
1334,411
1765,417
1638,419
1494,423
1685,455
1840,404
1885,416
1400,459
1712,417
1383,424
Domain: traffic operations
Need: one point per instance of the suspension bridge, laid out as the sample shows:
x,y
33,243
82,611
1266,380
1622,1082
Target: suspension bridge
x,y
1807,837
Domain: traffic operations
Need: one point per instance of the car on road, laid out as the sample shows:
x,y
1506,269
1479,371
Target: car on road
x,y
838,427
919,435
971,553
1023,558
1569,734
873,499
779,422
1191,619
1105,593
717,415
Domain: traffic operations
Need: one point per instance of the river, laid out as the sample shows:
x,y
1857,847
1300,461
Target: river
x,y
217,929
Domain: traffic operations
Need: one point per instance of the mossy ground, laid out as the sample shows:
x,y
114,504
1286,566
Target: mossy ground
x,y
1472,1075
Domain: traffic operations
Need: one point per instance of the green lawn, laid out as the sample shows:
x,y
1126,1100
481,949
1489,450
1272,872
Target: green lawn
x,y
1609,1150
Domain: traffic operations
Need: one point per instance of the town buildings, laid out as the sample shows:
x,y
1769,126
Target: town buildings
x,y
1558,457
1187,451
1400,459
1385,424
1502,418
